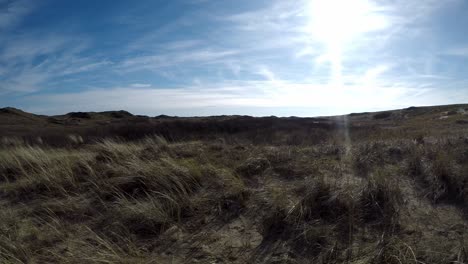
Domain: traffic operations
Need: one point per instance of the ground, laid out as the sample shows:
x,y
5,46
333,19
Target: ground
x,y
387,187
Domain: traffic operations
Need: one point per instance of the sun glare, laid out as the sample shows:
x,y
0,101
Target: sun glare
x,y
337,20
336,23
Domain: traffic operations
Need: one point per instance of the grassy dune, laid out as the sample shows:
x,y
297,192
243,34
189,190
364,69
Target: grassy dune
x,y
381,198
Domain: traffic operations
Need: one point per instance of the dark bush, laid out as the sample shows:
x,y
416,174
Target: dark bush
x,y
382,115
359,114
411,108
79,115
120,114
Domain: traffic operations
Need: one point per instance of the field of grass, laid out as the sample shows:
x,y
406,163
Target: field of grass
x,y
367,195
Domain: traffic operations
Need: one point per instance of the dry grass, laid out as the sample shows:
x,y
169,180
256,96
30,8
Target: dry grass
x,y
153,201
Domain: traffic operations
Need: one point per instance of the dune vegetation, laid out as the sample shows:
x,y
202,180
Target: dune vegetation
x,y
350,197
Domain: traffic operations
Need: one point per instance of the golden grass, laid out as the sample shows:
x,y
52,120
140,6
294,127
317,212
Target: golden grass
x,y
151,201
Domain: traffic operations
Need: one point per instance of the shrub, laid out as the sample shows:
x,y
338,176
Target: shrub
x,y
120,114
79,115
462,122
383,115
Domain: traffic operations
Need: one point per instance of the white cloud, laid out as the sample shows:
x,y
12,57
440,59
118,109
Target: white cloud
x,y
459,52
372,75
140,85
267,73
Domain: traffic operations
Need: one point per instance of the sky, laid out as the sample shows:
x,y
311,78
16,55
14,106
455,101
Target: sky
x,y
248,57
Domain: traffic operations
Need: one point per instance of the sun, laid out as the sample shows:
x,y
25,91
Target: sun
x,y
340,20
336,23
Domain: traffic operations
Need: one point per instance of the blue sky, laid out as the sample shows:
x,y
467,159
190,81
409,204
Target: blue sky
x,y
212,57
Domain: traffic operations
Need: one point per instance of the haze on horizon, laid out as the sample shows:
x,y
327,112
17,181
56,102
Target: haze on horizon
x,y
207,57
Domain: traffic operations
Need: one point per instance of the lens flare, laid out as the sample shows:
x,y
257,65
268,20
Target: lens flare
x,y
336,23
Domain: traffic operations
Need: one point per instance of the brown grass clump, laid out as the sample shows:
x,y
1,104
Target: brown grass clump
x,y
440,173
380,200
253,167
366,157
319,202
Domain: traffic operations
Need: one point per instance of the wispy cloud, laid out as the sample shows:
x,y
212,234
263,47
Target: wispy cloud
x,y
30,61
459,52
168,59
11,12
140,85
26,47
279,16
